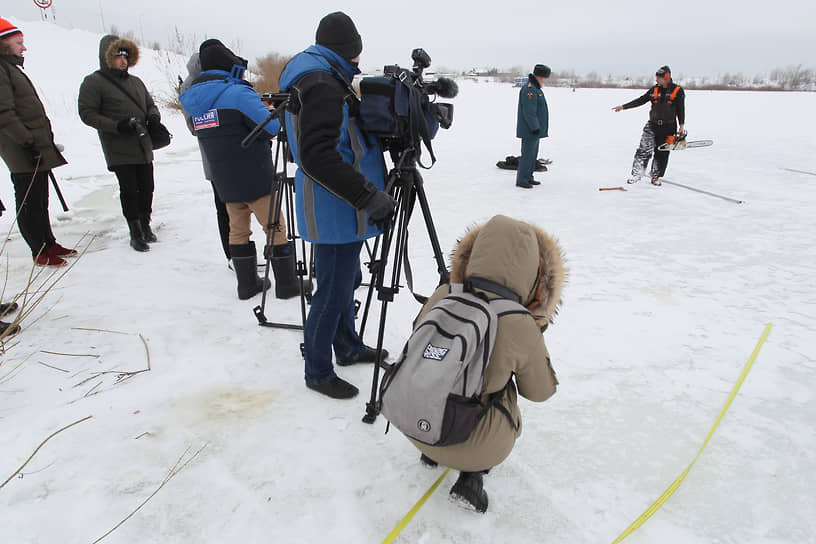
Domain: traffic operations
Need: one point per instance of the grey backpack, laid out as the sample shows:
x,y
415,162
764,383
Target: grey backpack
x,y
433,392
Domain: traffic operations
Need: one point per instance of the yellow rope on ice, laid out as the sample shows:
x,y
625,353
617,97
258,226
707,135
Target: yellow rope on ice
x,y
673,487
401,525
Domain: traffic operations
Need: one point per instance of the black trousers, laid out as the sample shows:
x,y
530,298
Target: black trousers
x,y
135,189
223,221
32,210
653,136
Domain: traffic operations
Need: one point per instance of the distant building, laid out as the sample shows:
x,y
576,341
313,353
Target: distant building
x,y
519,81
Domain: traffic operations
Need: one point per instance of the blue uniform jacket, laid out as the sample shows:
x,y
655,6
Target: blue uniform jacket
x,y
224,109
339,167
532,111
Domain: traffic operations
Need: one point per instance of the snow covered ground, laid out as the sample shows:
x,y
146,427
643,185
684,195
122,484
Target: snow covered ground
x,y
668,293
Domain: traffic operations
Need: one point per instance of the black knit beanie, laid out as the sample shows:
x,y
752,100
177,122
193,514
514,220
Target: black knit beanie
x,y
337,32
214,55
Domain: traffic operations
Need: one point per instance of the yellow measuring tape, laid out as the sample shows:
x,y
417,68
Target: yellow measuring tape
x,y
673,487
401,525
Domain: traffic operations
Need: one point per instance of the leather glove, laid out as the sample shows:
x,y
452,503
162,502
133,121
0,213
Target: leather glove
x,y
153,119
125,126
536,132
380,208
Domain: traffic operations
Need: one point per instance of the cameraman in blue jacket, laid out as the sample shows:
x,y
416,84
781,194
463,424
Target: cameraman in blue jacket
x,y
340,200
224,109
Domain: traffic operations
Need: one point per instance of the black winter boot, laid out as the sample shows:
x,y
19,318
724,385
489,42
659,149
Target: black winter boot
x,y
245,262
137,238
7,307
469,490
283,267
149,236
8,329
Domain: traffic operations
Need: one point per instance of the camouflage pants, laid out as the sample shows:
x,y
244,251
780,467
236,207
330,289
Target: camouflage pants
x,y
653,136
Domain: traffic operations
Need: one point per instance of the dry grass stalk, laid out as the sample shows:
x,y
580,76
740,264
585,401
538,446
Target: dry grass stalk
x,y
178,467
52,435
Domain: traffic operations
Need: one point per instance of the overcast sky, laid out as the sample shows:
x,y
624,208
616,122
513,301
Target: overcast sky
x,y
694,37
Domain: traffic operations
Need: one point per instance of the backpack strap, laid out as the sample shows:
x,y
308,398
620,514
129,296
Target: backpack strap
x,y
476,282
493,400
116,84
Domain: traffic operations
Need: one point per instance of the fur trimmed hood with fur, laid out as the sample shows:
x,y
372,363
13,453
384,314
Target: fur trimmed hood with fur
x,y
111,44
517,255
523,258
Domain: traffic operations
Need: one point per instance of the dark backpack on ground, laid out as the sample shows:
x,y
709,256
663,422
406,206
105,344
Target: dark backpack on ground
x,y
433,392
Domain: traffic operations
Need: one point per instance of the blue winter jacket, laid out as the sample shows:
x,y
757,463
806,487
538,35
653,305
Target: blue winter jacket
x,y
224,109
339,167
532,111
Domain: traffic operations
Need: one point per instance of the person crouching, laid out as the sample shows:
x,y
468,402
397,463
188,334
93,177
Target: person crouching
x,y
524,259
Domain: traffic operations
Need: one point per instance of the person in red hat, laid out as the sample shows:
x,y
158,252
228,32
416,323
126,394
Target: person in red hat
x,y
28,149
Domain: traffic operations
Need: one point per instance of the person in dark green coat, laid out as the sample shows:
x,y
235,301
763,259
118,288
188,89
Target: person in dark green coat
x,y
118,105
28,149
532,124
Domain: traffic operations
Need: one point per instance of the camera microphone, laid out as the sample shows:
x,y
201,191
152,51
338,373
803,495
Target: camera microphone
x,y
444,87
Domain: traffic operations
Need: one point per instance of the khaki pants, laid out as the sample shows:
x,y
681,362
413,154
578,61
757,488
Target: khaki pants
x,y
240,218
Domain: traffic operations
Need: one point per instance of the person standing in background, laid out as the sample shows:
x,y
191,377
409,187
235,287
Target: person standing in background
x,y
28,149
532,124
666,118
118,105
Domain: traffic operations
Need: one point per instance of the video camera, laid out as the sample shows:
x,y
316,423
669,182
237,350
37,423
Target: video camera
x,y
276,99
398,107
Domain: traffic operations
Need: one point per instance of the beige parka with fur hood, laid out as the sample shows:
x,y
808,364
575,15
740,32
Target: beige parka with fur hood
x,y
526,260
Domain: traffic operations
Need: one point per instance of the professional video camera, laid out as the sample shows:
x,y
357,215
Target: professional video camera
x,y
276,99
401,108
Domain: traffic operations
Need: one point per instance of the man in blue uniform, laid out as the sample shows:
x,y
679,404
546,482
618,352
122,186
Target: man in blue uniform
x,y
532,124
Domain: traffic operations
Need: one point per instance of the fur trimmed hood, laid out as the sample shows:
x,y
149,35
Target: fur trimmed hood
x,y
517,255
110,44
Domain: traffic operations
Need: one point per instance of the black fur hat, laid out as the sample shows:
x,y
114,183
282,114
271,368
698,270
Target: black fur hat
x,y
542,70
337,32
214,55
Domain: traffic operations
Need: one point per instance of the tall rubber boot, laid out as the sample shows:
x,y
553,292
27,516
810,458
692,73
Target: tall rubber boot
x,y
149,235
245,262
283,267
137,238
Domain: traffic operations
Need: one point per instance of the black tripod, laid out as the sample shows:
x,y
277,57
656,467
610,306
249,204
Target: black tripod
x,y
283,192
406,187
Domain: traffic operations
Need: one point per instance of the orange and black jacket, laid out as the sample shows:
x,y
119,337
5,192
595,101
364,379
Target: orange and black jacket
x,y
667,104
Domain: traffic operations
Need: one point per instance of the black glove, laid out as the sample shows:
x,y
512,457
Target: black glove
x,y
125,126
536,132
380,207
131,126
33,152
153,119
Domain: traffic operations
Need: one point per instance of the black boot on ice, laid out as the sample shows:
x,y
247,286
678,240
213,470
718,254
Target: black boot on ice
x,y
149,235
245,262
283,267
137,238
469,491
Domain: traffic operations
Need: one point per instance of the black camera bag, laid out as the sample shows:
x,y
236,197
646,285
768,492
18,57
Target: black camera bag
x,y
391,107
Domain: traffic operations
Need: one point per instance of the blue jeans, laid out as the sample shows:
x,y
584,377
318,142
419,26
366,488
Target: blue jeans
x,y
527,162
331,316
